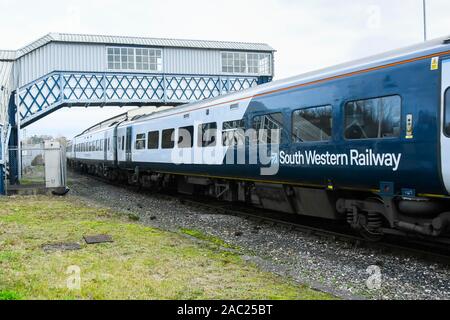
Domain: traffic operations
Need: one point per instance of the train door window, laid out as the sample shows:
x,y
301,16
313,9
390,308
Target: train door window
x,y
140,141
268,127
312,124
168,139
186,137
447,113
207,134
233,133
123,142
119,143
153,140
108,144
373,118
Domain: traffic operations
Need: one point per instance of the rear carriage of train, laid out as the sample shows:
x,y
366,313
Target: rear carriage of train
x,y
377,136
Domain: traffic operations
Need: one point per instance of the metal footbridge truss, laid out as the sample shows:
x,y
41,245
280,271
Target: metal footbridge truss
x,y
64,89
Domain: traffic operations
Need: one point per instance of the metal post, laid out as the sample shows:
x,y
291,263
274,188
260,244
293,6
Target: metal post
x,y
13,139
19,141
424,20
2,180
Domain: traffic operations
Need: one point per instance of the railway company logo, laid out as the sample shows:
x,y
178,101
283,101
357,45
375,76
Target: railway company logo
x,y
354,157
262,149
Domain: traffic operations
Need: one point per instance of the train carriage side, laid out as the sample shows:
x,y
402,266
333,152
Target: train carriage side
x,y
360,131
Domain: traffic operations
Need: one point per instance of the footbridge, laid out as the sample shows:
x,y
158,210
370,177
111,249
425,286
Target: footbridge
x,y
69,70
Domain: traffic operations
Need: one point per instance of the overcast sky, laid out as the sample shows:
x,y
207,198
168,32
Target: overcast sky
x,y
307,34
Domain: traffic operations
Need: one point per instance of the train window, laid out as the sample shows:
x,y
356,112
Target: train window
x,y
447,112
207,134
123,142
167,139
185,137
233,132
373,118
153,140
108,144
312,124
269,127
140,141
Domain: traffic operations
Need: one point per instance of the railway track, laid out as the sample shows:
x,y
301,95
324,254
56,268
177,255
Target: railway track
x,y
438,252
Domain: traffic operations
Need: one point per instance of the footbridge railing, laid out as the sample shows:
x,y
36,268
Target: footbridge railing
x,y
59,89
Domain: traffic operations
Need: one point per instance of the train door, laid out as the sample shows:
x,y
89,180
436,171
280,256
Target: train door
x,y
128,143
445,132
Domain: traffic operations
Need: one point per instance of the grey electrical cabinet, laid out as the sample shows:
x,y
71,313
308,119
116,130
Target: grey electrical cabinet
x,y
55,165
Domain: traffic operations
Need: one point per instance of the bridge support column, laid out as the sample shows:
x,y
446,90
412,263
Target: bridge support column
x,y
2,181
13,144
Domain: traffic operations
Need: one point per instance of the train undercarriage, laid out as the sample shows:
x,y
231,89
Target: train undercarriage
x,y
372,215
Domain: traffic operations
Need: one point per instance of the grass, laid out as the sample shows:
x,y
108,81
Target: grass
x,y
208,238
141,263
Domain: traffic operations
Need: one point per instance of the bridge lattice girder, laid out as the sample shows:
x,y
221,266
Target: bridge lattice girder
x,y
60,89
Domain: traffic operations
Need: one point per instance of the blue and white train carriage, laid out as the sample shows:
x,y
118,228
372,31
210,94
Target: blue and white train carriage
x,y
367,142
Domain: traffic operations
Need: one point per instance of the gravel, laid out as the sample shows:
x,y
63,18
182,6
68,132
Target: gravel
x,y
336,267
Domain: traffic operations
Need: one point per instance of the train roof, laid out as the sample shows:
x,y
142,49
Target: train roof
x,y
410,52
418,50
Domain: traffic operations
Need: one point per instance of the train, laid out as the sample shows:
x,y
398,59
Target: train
x,y
365,143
